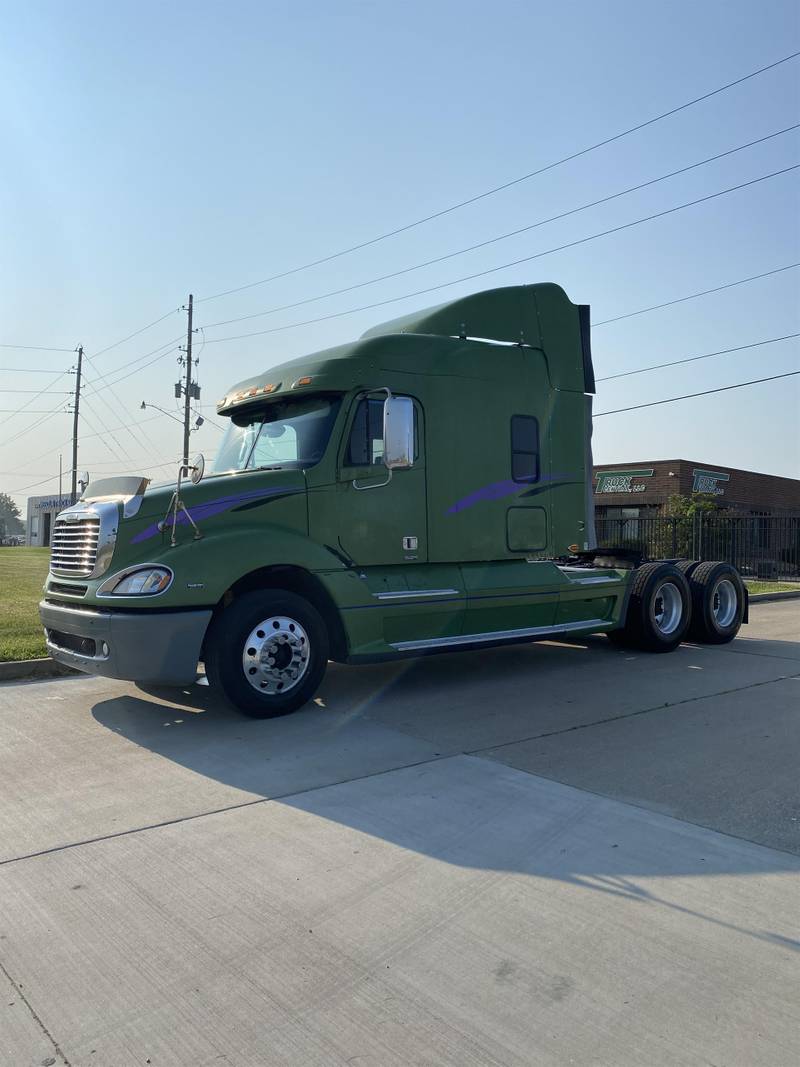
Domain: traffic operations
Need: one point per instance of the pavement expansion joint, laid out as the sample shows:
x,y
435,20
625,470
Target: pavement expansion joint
x,y
36,1017
629,715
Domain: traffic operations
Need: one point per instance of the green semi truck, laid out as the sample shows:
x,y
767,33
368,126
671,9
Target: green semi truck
x,y
426,488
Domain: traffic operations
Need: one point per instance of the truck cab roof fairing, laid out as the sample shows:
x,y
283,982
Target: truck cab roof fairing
x,y
538,316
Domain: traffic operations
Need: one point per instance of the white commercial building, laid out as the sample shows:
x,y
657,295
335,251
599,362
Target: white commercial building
x,y
42,511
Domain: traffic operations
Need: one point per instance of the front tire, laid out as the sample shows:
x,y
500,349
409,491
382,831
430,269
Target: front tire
x,y
659,609
267,652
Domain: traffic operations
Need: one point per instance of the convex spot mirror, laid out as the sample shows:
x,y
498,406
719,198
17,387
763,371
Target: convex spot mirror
x,y
398,432
197,468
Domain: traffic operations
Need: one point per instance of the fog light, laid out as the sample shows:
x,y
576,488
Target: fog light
x,y
104,649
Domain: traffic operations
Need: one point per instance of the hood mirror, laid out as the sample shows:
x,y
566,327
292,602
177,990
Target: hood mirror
x,y
197,468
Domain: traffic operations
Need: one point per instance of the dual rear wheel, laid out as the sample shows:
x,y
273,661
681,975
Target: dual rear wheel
x,y
670,603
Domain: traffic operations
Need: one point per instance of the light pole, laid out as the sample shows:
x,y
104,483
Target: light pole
x,y
198,422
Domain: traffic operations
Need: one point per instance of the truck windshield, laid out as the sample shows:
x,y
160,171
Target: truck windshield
x,y
285,433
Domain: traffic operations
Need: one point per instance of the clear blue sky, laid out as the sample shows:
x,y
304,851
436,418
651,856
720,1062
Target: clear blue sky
x,y
151,149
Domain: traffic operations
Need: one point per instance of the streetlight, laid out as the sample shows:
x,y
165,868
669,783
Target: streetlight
x,y
198,422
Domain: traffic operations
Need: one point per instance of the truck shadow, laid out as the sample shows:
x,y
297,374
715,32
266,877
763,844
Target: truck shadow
x,y
427,720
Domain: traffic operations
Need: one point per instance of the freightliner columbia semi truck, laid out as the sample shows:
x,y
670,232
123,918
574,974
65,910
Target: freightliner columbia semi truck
x,y
426,488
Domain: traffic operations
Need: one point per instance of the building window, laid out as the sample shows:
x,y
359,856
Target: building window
x,y
524,448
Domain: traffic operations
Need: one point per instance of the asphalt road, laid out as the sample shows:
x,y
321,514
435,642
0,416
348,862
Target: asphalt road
x,y
547,854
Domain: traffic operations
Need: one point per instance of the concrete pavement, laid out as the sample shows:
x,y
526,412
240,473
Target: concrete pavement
x,y
380,879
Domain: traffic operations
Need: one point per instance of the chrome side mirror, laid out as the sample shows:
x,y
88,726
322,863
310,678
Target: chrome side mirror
x,y
197,468
83,480
398,432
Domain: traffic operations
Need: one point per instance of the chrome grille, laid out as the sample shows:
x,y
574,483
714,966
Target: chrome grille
x,y
73,546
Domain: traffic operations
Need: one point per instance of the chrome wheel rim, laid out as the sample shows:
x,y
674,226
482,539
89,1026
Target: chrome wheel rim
x,y
276,655
667,608
724,603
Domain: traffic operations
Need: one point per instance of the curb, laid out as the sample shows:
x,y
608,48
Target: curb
x,y
33,668
760,598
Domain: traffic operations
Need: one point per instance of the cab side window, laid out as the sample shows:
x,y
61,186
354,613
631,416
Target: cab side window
x,y
524,448
365,445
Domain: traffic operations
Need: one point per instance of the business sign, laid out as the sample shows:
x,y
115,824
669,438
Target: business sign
x,y
622,481
50,503
707,482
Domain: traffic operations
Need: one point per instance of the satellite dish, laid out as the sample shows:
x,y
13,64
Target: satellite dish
x,y
197,468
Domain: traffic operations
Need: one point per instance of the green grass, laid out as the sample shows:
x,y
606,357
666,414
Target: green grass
x,y
771,587
22,575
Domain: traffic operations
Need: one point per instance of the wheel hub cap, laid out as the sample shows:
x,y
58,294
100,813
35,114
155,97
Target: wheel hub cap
x,y
724,603
667,608
276,655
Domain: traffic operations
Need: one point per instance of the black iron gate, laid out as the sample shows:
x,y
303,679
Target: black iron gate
x,y
760,546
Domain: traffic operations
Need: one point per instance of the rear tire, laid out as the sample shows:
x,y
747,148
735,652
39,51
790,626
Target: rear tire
x,y
718,603
687,567
267,653
659,609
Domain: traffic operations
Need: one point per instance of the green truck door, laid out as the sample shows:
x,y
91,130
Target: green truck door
x,y
379,524
384,530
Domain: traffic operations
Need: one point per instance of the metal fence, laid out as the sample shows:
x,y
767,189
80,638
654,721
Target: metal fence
x,y
758,546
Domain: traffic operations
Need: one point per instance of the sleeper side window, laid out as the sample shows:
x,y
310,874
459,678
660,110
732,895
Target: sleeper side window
x,y
524,448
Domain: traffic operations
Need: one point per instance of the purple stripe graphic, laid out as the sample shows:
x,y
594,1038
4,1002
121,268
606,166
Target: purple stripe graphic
x,y
494,491
214,507
499,490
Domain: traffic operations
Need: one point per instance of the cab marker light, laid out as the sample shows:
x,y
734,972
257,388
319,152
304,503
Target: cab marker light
x,y
302,381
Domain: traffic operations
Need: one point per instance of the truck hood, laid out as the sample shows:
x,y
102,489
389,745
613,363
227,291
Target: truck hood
x,y
215,496
142,508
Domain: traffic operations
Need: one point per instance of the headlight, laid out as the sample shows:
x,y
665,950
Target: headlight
x,y
146,581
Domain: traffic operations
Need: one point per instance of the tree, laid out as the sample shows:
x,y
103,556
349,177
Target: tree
x,y
10,522
686,507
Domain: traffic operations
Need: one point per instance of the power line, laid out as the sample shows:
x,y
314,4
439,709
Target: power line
x,y
505,185
139,441
34,485
28,403
512,263
689,396
139,359
110,432
210,421
693,359
693,296
106,434
136,333
26,370
37,348
53,392
28,429
503,236
121,426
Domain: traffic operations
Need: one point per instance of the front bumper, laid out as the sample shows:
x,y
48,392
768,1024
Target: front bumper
x,y
161,648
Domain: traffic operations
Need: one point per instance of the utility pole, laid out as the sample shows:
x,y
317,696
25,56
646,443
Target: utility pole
x,y
74,484
187,391
60,459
